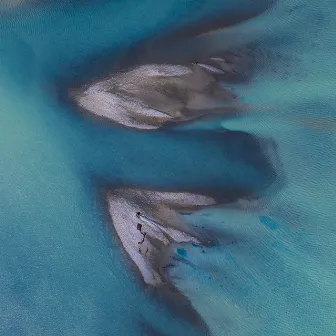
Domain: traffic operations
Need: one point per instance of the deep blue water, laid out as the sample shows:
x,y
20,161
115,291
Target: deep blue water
x,y
62,270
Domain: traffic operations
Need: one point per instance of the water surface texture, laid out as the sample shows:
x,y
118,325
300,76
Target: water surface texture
x,y
63,270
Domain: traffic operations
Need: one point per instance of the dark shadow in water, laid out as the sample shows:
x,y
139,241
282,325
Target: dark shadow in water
x,y
148,329
163,46
225,165
181,306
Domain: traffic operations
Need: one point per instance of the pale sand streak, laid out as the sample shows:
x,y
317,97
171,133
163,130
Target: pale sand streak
x,y
149,96
161,207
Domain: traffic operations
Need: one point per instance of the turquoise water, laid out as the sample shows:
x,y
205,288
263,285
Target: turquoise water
x,y
62,269
274,273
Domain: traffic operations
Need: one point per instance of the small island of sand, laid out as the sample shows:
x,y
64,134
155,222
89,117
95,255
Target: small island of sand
x,y
153,95
148,222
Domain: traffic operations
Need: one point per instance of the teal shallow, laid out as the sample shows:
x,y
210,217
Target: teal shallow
x,y
63,271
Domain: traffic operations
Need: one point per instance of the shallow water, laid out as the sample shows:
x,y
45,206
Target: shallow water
x,y
63,271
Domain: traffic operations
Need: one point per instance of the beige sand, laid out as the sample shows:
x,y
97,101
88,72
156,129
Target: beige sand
x,y
169,228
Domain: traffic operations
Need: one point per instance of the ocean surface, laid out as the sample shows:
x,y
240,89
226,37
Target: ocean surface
x,y
64,272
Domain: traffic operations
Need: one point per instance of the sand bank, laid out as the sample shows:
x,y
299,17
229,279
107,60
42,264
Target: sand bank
x,y
149,248
153,95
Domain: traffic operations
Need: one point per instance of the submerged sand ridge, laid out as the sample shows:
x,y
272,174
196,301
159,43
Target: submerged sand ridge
x,y
153,95
147,238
